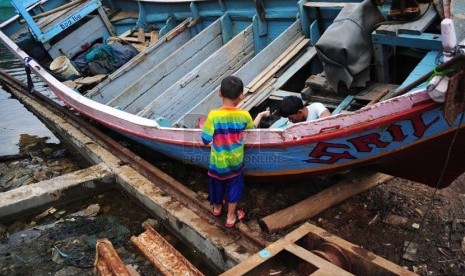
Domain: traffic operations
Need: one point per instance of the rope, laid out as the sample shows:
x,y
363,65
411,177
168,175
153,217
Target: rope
x,y
27,68
433,197
443,73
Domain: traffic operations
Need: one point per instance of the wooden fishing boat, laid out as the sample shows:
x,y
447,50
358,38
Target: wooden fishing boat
x,y
159,96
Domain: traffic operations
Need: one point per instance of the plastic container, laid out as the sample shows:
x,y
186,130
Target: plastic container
x,y
63,67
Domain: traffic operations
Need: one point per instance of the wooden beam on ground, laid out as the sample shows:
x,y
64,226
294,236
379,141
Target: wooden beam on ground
x,y
107,261
317,203
162,254
310,250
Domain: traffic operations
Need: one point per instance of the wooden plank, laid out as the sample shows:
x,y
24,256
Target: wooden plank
x,y
201,81
153,37
249,71
416,27
282,94
124,15
276,65
155,81
131,39
343,105
266,75
321,201
304,243
125,75
106,21
419,26
325,4
141,35
322,264
367,262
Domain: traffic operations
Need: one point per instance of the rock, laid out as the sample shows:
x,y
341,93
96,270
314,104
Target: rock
x,y
155,224
410,251
58,153
395,220
56,258
71,271
92,210
416,225
418,211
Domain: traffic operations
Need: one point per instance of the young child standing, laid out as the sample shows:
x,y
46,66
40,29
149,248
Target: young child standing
x,y
223,128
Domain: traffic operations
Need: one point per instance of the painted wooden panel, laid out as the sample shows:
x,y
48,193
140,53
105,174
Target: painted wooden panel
x,y
151,84
124,76
71,44
247,73
427,64
198,84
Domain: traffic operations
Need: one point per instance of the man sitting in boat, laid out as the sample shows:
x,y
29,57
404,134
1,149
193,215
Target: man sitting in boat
x,y
293,108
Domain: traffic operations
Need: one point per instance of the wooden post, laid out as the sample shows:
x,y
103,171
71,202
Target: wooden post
x,y
153,37
141,35
317,203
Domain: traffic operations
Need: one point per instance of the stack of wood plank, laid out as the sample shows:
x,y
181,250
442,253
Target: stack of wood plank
x,y
140,39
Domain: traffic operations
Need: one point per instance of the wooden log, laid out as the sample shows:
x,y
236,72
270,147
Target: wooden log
x,y
317,203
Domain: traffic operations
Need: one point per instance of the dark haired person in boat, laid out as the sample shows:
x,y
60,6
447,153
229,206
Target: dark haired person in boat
x,y
293,108
223,128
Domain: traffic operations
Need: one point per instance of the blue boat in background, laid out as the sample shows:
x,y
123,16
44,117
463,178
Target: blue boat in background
x,y
151,70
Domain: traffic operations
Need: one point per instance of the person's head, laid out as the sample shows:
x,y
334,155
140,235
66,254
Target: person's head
x,y
292,108
232,88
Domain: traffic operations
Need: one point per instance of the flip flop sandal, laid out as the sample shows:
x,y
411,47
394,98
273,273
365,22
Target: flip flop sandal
x,y
231,225
217,213
240,215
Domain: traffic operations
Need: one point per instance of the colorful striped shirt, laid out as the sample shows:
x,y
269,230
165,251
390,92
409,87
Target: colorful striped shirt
x,y
224,127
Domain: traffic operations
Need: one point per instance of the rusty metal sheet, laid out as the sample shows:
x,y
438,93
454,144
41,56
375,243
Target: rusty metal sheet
x,y
107,261
455,97
162,254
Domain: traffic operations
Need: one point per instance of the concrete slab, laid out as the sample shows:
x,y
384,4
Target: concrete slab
x,y
78,184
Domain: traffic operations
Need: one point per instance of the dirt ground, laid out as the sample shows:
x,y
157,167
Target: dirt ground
x,y
382,220
401,212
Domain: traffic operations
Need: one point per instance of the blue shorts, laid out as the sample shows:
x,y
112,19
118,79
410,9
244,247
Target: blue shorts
x,y
230,189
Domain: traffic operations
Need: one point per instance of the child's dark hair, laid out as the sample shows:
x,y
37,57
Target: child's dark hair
x,y
231,87
290,105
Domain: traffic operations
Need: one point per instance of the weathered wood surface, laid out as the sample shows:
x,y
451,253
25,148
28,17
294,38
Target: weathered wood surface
x,y
107,262
200,82
248,72
89,32
415,27
155,81
317,203
143,62
162,255
124,15
303,245
325,4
